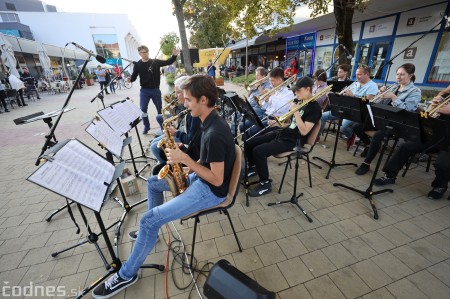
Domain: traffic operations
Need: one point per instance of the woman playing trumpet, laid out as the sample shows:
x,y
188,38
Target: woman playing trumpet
x,y
403,95
258,149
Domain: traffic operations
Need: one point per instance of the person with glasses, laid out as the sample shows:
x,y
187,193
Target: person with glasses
x,y
148,71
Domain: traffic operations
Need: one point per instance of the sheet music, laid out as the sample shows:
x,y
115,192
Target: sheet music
x,y
108,138
371,115
120,115
78,173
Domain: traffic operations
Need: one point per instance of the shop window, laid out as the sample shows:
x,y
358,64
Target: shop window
x,y
440,71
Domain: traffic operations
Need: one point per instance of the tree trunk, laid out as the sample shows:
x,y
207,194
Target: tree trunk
x,y
178,8
343,12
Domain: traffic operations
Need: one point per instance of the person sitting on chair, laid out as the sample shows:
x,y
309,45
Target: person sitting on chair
x,y
343,73
320,82
408,149
406,96
207,184
259,148
30,83
184,135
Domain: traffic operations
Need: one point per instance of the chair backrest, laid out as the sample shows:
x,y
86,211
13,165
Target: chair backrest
x,y
311,140
236,172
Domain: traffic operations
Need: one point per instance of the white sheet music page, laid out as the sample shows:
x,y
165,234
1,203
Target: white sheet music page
x,y
108,138
78,173
132,110
115,119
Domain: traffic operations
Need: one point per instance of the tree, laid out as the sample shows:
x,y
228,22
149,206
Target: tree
x,y
257,16
178,11
343,13
208,22
168,42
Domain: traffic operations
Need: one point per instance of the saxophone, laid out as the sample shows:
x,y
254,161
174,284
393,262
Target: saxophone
x,y
173,174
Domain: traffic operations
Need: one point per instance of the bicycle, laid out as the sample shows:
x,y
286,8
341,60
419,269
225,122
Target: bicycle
x,y
122,84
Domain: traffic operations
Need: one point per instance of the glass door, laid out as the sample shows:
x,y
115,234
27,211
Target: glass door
x,y
373,54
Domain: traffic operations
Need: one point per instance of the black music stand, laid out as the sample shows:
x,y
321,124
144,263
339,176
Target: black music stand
x,y
346,108
294,198
394,121
247,112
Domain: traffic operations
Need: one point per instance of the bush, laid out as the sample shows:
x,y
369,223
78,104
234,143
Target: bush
x,y
241,80
170,78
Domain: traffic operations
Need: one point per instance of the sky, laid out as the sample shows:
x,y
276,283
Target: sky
x,y
151,20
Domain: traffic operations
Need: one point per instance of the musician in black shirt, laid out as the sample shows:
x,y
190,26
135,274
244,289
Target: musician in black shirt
x,y
149,74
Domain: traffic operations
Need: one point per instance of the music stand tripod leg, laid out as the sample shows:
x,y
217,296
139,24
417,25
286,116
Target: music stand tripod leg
x,y
332,164
294,198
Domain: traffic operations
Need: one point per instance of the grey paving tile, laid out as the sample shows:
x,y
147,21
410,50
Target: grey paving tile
x,y
323,287
251,220
331,234
296,292
372,275
270,253
349,283
271,278
247,260
318,263
295,271
270,232
441,271
349,228
379,294
250,238
391,265
312,240
339,256
411,258
292,246
394,235
429,285
377,242
405,289
325,216
226,244
358,248
411,230
211,230
366,222
289,227
270,215
429,251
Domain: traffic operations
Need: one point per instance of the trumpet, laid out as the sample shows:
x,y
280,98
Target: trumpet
x,y
347,88
254,85
379,97
432,110
262,98
281,119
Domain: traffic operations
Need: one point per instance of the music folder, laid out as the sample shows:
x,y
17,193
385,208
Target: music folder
x,y
338,85
76,172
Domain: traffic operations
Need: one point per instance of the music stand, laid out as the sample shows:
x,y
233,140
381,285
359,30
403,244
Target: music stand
x,y
247,112
338,85
346,108
395,121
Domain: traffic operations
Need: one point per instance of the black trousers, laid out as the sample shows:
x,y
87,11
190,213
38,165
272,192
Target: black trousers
x,y
259,148
2,99
374,144
407,151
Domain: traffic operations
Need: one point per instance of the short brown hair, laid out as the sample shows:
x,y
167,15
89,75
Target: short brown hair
x,y
142,48
277,73
365,68
201,85
344,67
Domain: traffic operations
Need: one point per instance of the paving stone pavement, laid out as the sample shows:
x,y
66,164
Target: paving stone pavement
x,y
343,253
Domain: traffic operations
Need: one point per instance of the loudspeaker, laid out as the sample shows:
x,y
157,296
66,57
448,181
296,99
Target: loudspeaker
x,y
226,282
194,56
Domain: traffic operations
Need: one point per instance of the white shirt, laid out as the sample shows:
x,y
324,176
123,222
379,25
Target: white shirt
x,y
278,104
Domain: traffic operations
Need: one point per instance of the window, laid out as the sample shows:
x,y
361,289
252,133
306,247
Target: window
x,y
440,70
9,17
10,6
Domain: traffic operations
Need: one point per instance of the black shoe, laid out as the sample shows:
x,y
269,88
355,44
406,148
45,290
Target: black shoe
x,y
364,152
145,131
25,104
112,286
261,189
385,180
107,93
6,110
251,171
20,105
362,169
437,192
38,98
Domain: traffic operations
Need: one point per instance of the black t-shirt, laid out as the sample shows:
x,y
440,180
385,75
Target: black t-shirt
x,y
217,145
150,78
309,113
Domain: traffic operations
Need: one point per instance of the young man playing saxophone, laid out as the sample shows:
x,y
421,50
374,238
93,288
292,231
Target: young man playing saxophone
x,y
208,182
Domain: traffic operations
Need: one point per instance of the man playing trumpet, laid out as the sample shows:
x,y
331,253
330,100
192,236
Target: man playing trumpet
x,y
259,148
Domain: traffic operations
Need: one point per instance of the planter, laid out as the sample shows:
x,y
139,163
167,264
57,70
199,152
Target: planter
x,y
219,81
89,82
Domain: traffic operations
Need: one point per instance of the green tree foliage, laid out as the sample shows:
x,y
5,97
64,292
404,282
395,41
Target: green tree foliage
x,y
168,43
208,22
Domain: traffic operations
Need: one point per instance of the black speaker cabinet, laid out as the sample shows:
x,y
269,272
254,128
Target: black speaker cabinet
x,y
226,282
194,56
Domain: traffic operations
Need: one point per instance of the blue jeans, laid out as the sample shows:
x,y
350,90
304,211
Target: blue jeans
x,y
197,197
326,116
346,128
159,119
145,96
157,152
